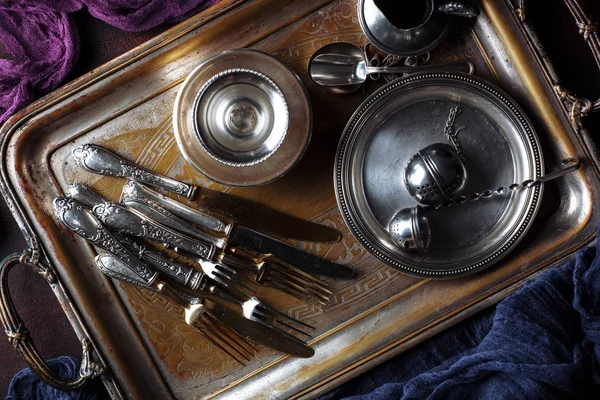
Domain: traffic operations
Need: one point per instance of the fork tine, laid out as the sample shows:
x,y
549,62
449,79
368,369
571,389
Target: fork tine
x,y
317,287
256,258
235,263
283,278
300,286
233,269
269,319
237,340
291,269
232,273
276,313
304,296
234,284
215,338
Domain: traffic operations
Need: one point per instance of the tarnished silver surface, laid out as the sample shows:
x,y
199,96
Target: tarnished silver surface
x,y
81,221
242,117
179,273
195,315
403,117
434,174
418,33
137,190
409,227
84,195
152,210
456,8
343,67
159,214
132,222
373,318
100,160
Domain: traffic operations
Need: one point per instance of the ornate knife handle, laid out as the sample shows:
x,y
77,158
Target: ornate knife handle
x,y
81,221
159,214
100,160
131,222
178,272
136,190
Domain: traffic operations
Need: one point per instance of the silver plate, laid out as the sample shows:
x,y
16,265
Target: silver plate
x,y
401,118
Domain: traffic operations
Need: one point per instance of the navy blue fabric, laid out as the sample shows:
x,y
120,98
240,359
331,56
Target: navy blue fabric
x,y
543,342
26,385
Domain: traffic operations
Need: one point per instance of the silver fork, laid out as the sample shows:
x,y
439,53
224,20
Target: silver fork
x,y
216,288
233,262
268,270
196,315
124,265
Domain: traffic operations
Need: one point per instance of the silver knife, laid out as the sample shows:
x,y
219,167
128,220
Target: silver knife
x,y
118,218
100,160
261,333
242,235
246,212
90,198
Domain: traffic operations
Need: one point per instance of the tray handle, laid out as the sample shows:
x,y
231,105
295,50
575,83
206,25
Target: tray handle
x,y
578,106
19,336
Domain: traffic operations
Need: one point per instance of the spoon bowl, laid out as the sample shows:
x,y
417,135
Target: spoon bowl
x,y
326,73
342,67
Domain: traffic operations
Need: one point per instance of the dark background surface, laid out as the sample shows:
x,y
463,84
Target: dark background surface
x,y
101,42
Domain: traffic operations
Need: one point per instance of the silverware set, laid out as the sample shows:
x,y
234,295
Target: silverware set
x,y
203,263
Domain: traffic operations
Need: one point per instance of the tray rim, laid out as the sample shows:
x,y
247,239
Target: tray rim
x,y
15,205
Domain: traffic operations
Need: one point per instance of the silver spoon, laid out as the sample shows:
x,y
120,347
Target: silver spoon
x,y
342,67
409,227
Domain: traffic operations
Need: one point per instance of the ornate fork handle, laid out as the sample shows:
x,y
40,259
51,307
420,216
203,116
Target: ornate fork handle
x,y
81,221
132,222
100,160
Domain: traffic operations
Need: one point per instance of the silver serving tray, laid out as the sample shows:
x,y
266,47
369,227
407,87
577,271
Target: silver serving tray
x,y
403,117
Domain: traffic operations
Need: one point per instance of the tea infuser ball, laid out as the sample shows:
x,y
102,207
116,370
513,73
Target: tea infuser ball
x,y
409,228
434,174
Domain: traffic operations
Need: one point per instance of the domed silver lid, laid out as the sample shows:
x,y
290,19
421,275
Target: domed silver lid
x,y
434,174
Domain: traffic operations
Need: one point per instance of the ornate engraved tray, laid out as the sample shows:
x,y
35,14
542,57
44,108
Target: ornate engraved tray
x,y
126,105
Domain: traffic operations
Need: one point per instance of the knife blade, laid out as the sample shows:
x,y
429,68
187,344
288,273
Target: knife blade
x,y
260,333
267,219
119,218
245,212
244,236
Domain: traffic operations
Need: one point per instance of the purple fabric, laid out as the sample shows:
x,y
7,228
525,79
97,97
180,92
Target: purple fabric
x,y
44,46
43,42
